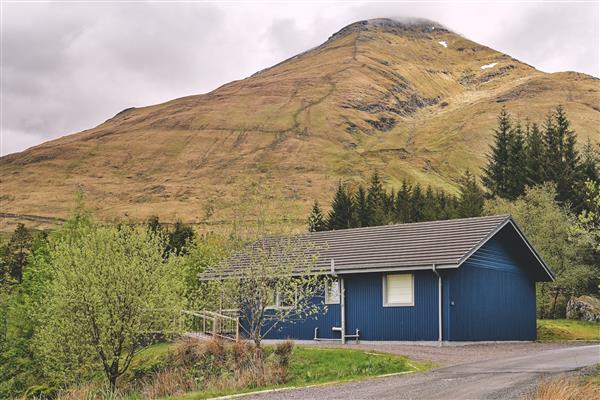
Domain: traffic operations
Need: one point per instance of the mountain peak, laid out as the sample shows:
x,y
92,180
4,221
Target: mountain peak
x,y
397,25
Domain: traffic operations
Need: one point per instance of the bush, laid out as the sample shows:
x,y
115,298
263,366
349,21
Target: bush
x,y
219,365
283,353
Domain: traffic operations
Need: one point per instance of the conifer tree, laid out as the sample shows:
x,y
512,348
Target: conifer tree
x,y
362,212
179,239
589,162
416,204
516,165
471,198
495,176
430,210
402,206
569,177
18,249
316,221
443,206
552,147
535,156
376,201
340,216
389,205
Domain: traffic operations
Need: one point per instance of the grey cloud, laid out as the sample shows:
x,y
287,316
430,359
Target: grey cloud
x,y
68,67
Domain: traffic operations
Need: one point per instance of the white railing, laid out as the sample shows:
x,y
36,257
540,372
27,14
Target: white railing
x,y
214,324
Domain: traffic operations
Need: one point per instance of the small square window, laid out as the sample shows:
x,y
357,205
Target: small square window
x,y
398,290
332,292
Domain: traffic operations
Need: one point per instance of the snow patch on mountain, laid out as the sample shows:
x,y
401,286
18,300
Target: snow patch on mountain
x,y
486,66
443,43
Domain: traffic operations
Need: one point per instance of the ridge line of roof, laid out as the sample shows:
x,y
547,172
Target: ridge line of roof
x,y
485,217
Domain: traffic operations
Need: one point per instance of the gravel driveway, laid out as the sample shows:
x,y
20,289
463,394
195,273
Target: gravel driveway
x,y
492,371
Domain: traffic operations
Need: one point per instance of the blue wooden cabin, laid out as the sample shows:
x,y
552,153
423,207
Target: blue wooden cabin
x,y
470,279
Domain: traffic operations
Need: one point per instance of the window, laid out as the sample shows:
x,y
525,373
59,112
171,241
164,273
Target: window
x,y
332,292
287,300
398,290
281,300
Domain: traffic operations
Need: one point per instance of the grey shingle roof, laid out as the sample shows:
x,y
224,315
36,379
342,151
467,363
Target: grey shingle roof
x,y
403,246
444,243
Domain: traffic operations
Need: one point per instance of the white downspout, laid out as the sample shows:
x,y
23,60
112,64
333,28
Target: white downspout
x,y
343,310
439,304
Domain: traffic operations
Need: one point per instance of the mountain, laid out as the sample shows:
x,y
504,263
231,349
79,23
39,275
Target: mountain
x,y
407,97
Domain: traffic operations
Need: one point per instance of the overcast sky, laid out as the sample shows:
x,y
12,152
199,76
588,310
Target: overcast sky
x,y
67,67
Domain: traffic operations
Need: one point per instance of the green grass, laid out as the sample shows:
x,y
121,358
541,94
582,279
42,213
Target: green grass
x,y
566,329
595,377
318,365
149,360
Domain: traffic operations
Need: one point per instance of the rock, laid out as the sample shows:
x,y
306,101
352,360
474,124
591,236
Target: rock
x,y
383,123
585,308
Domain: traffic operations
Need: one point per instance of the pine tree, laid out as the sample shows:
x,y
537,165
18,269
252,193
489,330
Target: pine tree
x,y
471,197
362,212
340,216
430,211
389,205
316,221
535,156
516,165
416,204
179,238
495,176
402,206
552,146
589,161
18,250
376,201
570,177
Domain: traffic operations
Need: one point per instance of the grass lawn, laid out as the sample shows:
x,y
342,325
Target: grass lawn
x,y
318,365
566,329
147,361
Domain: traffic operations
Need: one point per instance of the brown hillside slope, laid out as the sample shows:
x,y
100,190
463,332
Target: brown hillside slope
x,y
378,94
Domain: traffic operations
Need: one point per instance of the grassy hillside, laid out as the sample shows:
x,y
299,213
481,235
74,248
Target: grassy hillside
x,y
410,100
566,329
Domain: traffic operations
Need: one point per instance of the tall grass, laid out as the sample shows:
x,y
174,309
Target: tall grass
x,y
216,365
566,389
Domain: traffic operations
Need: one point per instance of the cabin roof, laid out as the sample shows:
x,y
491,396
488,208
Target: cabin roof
x,y
411,246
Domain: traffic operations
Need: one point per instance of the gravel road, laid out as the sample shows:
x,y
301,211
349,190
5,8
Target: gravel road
x,y
511,373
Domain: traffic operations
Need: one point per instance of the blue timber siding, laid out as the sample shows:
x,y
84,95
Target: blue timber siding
x,y
365,310
305,329
491,296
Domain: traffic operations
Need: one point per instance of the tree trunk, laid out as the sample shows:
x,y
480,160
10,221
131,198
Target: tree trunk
x,y
554,300
112,380
542,302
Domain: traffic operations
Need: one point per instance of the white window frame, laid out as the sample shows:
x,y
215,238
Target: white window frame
x,y
412,287
277,305
328,299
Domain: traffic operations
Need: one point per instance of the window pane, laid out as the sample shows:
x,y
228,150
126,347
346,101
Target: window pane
x,y
286,299
332,292
399,289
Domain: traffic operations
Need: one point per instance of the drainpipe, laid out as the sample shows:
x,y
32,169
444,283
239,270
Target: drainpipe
x,y
439,304
342,303
343,309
